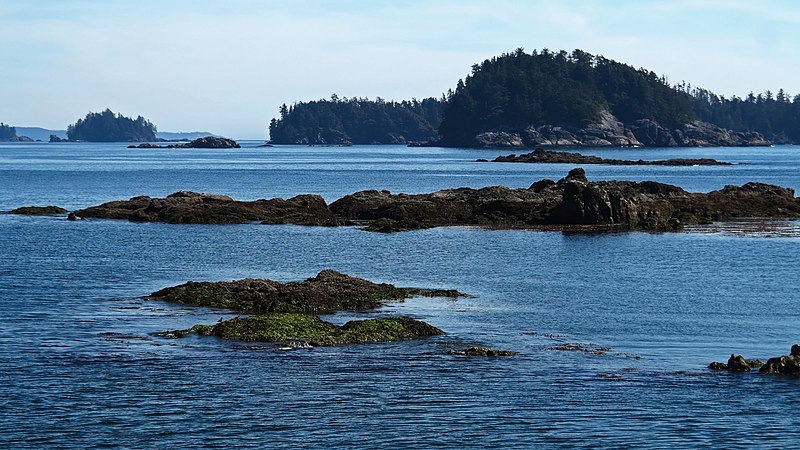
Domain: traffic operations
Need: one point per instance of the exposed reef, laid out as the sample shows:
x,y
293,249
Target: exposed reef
x,y
786,364
191,207
571,204
328,292
544,156
301,330
203,142
287,312
39,210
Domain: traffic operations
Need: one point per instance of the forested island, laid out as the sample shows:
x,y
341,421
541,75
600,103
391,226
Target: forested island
x,y
9,134
551,99
357,121
109,127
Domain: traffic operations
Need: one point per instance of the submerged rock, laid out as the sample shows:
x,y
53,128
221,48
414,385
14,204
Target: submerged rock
x,y
307,329
546,156
39,210
328,292
482,351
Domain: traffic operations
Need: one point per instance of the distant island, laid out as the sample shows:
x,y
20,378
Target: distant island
x,y
357,121
550,99
109,127
9,134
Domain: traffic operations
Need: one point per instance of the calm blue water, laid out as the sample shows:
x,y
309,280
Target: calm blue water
x,y
79,368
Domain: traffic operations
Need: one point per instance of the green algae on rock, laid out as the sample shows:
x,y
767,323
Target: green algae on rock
x,y
312,330
328,292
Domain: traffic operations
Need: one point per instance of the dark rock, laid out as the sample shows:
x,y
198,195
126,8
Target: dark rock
x,y
303,330
572,204
552,157
718,366
72,216
191,207
39,210
788,364
737,363
328,292
482,351
203,142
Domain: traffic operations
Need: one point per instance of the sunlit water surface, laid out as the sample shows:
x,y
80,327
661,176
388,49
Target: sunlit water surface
x,y
79,366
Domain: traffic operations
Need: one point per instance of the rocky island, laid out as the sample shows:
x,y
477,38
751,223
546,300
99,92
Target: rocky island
x,y
203,142
541,155
287,312
572,203
39,210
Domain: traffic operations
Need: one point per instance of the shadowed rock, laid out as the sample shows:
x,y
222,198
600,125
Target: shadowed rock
x,y
328,292
786,364
191,207
39,210
307,329
553,157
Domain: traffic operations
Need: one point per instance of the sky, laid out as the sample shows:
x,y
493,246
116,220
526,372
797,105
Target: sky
x,y
226,66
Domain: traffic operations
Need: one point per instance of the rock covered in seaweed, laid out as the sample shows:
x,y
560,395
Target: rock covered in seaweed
x,y
311,330
482,351
786,364
328,292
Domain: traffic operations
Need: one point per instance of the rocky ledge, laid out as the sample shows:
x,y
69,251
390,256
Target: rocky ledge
x,y
287,312
787,364
482,351
326,293
203,142
39,210
301,330
541,155
571,204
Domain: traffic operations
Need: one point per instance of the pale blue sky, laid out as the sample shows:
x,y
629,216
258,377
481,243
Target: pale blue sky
x,y
226,66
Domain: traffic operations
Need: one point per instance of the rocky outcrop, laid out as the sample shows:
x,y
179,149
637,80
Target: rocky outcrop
x,y
203,142
482,351
786,364
328,292
287,312
694,134
39,210
572,204
191,207
541,155
608,131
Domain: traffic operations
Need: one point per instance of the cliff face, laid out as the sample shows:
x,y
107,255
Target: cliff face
x,y
609,131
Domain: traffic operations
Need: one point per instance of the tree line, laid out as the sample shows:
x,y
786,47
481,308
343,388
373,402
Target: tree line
x,y
345,121
109,127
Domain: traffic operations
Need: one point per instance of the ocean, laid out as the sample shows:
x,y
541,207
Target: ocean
x,y
80,366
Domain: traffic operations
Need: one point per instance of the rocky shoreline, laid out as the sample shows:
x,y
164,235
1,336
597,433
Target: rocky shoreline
x,y
571,204
287,313
608,131
541,155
